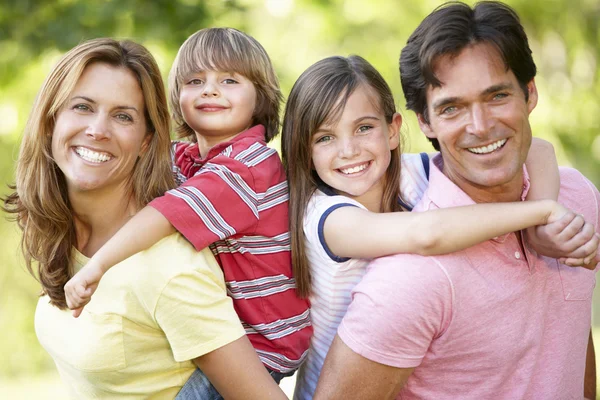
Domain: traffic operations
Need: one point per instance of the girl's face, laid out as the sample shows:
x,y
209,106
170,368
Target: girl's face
x,y
352,155
101,130
217,105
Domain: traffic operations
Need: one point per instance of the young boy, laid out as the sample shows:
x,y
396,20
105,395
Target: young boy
x,y
233,196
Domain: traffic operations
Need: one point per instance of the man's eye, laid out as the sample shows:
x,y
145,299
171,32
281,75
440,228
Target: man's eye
x,y
500,96
449,110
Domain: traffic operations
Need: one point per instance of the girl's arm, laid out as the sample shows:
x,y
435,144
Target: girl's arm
x,y
543,171
237,373
357,233
141,232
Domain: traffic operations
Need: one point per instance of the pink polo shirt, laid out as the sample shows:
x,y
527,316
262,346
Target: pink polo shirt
x,y
493,321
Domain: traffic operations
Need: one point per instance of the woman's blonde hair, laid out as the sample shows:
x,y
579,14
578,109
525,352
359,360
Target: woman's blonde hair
x,y
40,204
227,49
319,96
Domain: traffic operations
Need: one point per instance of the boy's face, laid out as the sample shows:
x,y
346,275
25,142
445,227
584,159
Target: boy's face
x,y
217,105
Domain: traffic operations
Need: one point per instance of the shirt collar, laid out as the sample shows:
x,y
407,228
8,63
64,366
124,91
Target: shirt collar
x,y
254,134
445,193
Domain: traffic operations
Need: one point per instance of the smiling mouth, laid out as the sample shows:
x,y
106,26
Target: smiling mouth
x,y
354,170
489,148
211,108
93,156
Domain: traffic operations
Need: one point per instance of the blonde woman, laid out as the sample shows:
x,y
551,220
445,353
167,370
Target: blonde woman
x,y
96,150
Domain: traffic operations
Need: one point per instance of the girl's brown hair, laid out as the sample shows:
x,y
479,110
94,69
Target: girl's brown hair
x,y
319,96
227,49
40,204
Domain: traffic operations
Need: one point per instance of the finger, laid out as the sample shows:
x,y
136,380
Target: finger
x,y
559,225
572,229
574,262
583,243
77,312
81,290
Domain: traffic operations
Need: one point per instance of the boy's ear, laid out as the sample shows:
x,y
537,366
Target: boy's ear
x,y
394,130
425,127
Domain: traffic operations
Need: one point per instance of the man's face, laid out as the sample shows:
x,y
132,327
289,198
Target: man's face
x,y
481,119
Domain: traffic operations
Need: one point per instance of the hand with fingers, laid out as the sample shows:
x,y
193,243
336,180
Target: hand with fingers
x,y
79,289
568,237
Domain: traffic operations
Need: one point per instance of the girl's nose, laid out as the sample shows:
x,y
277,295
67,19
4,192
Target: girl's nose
x,y
349,147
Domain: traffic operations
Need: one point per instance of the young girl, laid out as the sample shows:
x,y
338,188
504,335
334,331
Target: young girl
x,y
340,148
233,196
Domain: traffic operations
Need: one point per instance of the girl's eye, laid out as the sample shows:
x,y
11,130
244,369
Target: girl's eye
x,y
230,81
324,138
364,128
124,117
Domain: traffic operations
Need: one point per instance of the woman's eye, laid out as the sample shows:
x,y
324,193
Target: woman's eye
x,y
364,128
124,117
81,107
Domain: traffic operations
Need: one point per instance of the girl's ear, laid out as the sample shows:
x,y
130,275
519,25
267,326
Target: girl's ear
x,y
425,127
394,130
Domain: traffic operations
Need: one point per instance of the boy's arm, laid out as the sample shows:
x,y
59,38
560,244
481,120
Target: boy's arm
x,y
143,230
571,237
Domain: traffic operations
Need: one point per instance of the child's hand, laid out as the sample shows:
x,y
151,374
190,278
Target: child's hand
x,y
566,236
79,289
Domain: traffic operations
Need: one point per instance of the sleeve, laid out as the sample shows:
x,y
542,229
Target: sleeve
x,y
413,179
319,208
220,201
402,304
196,315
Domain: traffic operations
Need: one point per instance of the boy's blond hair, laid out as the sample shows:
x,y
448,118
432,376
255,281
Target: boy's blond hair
x,y
227,49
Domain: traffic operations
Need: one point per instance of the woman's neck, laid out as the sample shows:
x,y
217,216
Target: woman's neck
x,y
98,216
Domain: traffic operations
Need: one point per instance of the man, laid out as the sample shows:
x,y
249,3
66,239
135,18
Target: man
x,y
496,320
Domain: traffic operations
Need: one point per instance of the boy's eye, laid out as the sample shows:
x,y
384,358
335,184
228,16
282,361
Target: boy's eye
x,y
195,81
364,128
229,81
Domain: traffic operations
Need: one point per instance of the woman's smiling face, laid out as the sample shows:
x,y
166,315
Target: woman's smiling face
x,y
101,130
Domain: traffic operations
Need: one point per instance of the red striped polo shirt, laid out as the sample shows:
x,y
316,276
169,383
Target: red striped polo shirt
x,y
235,201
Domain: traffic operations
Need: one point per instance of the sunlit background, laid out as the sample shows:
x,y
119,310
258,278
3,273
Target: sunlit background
x,y
564,36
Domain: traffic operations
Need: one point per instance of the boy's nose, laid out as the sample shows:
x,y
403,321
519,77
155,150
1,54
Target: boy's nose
x,y
210,90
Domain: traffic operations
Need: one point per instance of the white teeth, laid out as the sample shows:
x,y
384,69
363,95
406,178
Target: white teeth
x,y
354,170
92,156
487,149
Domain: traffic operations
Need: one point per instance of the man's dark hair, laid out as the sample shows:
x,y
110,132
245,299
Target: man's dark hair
x,y
448,30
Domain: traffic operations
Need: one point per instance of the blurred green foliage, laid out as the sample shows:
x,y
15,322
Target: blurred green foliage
x,y
564,35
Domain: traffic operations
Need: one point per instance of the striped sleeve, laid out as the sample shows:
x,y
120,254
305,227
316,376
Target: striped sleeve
x,y
220,201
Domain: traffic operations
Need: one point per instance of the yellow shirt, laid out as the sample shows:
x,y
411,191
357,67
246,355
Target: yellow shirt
x,y
150,316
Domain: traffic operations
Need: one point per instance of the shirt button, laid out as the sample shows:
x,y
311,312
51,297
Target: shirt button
x,y
517,255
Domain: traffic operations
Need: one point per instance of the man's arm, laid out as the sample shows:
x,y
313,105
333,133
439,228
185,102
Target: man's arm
x,y
347,374
589,383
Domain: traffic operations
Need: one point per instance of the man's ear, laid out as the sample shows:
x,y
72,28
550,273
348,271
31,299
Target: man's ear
x,y
425,127
533,95
394,130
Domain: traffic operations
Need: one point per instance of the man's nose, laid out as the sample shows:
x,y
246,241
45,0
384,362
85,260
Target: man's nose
x,y
480,120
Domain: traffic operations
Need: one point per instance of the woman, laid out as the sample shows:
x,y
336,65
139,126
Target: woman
x,y
95,150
